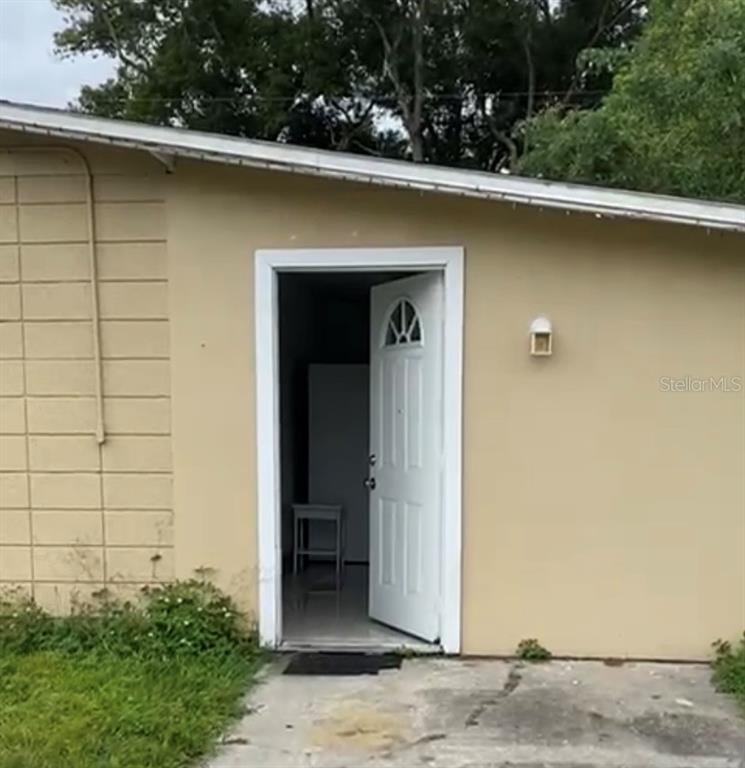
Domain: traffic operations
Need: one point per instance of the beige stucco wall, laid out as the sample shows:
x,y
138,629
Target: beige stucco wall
x,y
601,514
75,516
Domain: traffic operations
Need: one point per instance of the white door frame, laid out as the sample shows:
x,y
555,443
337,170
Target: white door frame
x,y
268,264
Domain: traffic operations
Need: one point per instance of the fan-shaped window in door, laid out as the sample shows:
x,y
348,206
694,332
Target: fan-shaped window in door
x,y
404,326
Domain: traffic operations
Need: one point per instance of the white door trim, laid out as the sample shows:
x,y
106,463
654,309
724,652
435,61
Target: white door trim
x,y
266,321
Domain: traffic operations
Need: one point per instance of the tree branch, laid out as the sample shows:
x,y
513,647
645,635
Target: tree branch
x,y
531,75
545,8
505,140
602,27
390,67
354,123
415,131
366,149
125,58
410,100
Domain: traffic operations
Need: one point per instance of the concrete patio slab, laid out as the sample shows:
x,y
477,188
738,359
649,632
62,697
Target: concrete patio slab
x,y
438,712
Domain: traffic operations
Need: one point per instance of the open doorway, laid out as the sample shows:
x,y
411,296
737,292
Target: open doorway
x,y
359,407
324,374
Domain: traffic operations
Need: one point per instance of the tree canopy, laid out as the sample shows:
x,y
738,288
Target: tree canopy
x,y
445,81
642,94
674,120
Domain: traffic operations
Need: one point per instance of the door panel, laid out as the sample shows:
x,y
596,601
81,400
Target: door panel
x,y
406,441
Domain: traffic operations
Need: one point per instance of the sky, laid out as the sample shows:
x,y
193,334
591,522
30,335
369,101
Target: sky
x,y
29,70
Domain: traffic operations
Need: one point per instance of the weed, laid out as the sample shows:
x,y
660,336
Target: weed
x,y
729,668
183,618
531,650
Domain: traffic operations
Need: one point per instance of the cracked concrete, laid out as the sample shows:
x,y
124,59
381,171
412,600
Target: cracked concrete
x,y
443,713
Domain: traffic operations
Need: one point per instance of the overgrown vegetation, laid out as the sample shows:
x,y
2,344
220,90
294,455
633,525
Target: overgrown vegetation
x,y
121,686
674,121
531,650
729,669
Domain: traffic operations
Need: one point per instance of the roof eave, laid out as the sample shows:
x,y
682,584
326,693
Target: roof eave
x,y
598,201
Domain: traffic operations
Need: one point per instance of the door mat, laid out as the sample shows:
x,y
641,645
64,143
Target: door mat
x,y
341,663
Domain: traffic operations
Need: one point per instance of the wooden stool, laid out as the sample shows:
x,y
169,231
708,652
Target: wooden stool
x,y
301,543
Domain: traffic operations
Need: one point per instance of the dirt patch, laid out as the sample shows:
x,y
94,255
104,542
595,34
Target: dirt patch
x,y
358,726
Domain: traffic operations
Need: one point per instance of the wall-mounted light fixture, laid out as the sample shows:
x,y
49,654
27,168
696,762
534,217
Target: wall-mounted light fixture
x,y
541,337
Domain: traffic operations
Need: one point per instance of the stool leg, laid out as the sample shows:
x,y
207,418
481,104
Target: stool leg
x,y
295,546
338,554
305,537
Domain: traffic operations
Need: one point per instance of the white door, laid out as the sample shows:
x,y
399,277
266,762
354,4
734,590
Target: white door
x,y
405,453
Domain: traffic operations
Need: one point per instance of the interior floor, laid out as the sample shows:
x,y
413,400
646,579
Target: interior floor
x,y
315,613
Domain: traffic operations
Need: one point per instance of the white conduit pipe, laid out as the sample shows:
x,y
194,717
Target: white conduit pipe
x,y
92,264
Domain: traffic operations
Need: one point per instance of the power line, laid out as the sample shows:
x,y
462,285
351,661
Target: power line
x,y
379,99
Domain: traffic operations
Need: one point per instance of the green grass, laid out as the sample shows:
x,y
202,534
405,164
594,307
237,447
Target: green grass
x,y
85,710
122,687
729,670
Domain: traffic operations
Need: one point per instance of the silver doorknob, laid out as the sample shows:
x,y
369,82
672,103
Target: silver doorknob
x,y
369,483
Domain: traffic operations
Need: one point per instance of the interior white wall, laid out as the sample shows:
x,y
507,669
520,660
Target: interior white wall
x,y
338,446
